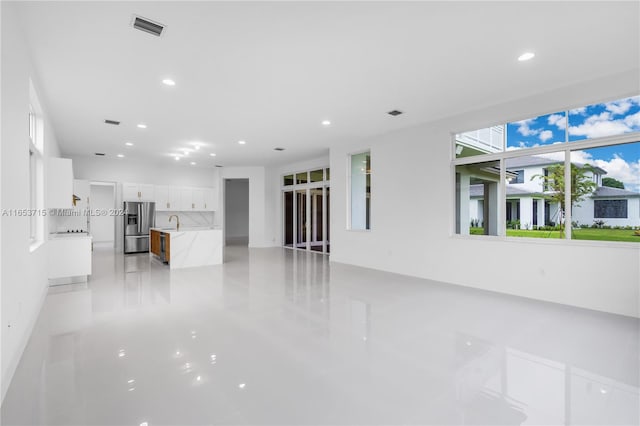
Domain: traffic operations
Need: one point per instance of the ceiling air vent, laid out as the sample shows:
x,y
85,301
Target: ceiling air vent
x,y
100,154
147,26
114,122
394,112
278,149
218,165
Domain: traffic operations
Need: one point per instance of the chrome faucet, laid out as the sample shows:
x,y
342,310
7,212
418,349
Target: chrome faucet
x,y
177,221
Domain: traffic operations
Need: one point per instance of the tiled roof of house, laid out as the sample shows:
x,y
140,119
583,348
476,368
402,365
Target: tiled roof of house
x,y
605,191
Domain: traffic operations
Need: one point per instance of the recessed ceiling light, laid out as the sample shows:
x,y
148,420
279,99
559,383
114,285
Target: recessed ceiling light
x,y
526,56
142,126
197,147
213,154
177,157
326,123
128,143
242,142
120,155
168,82
186,152
193,163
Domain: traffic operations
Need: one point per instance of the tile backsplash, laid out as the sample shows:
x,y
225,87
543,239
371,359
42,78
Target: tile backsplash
x,y
186,219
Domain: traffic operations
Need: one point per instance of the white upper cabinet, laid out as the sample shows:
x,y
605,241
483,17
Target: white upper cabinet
x,y
138,192
186,199
147,192
162,198
130,192
210,199
198,202
183,198
59,183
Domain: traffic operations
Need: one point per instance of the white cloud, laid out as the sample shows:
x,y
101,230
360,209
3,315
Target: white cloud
x,y
559,120
545,135
603,116
633,121
524,129
599,125
628,173
578,111
618,107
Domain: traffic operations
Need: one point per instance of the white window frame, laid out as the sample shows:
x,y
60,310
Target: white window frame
x,y
348,191
35,152
324,184
567,148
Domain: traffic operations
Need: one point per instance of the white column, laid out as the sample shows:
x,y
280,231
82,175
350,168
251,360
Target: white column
x,y
491,208
540,212
463,194
526,212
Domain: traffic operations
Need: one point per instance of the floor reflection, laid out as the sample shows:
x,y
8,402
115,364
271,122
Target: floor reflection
x,y
276,336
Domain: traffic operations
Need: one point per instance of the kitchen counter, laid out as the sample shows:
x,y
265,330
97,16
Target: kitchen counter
x,y
194,246
69,257
59,235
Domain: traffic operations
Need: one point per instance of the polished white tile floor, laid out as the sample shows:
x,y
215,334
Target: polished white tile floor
x,y
276,336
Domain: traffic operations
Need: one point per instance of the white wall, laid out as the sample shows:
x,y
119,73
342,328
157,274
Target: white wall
x,y
236,209
23,273
102,197
413,216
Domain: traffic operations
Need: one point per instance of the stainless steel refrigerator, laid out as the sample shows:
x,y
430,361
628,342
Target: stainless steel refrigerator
x,y
138,218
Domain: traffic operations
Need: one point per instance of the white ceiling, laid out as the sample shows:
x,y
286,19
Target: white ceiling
x,y
269,73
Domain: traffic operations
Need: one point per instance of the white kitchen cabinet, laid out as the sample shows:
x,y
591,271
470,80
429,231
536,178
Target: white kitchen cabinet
x,y
198,202
69,256
167,198
162,198
130,192
210,199
186,199
59,183
138,192
147,192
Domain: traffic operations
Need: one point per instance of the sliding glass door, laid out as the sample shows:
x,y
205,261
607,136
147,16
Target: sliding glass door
x,y
305,205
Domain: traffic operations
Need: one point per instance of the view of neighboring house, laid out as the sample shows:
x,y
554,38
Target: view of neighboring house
x,y
528,207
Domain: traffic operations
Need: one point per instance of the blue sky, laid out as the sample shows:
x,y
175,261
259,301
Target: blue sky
x,y
606,119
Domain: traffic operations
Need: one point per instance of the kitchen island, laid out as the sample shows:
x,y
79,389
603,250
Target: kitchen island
x,y
187,247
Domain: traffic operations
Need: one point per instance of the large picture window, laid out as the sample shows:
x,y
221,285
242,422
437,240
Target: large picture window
x,y
610,209
569,175
360,191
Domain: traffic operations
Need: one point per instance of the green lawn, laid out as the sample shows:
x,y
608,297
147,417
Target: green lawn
x,y
577,234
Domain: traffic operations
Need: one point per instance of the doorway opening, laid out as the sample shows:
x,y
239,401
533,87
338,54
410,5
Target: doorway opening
x,y
102,221
236,211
